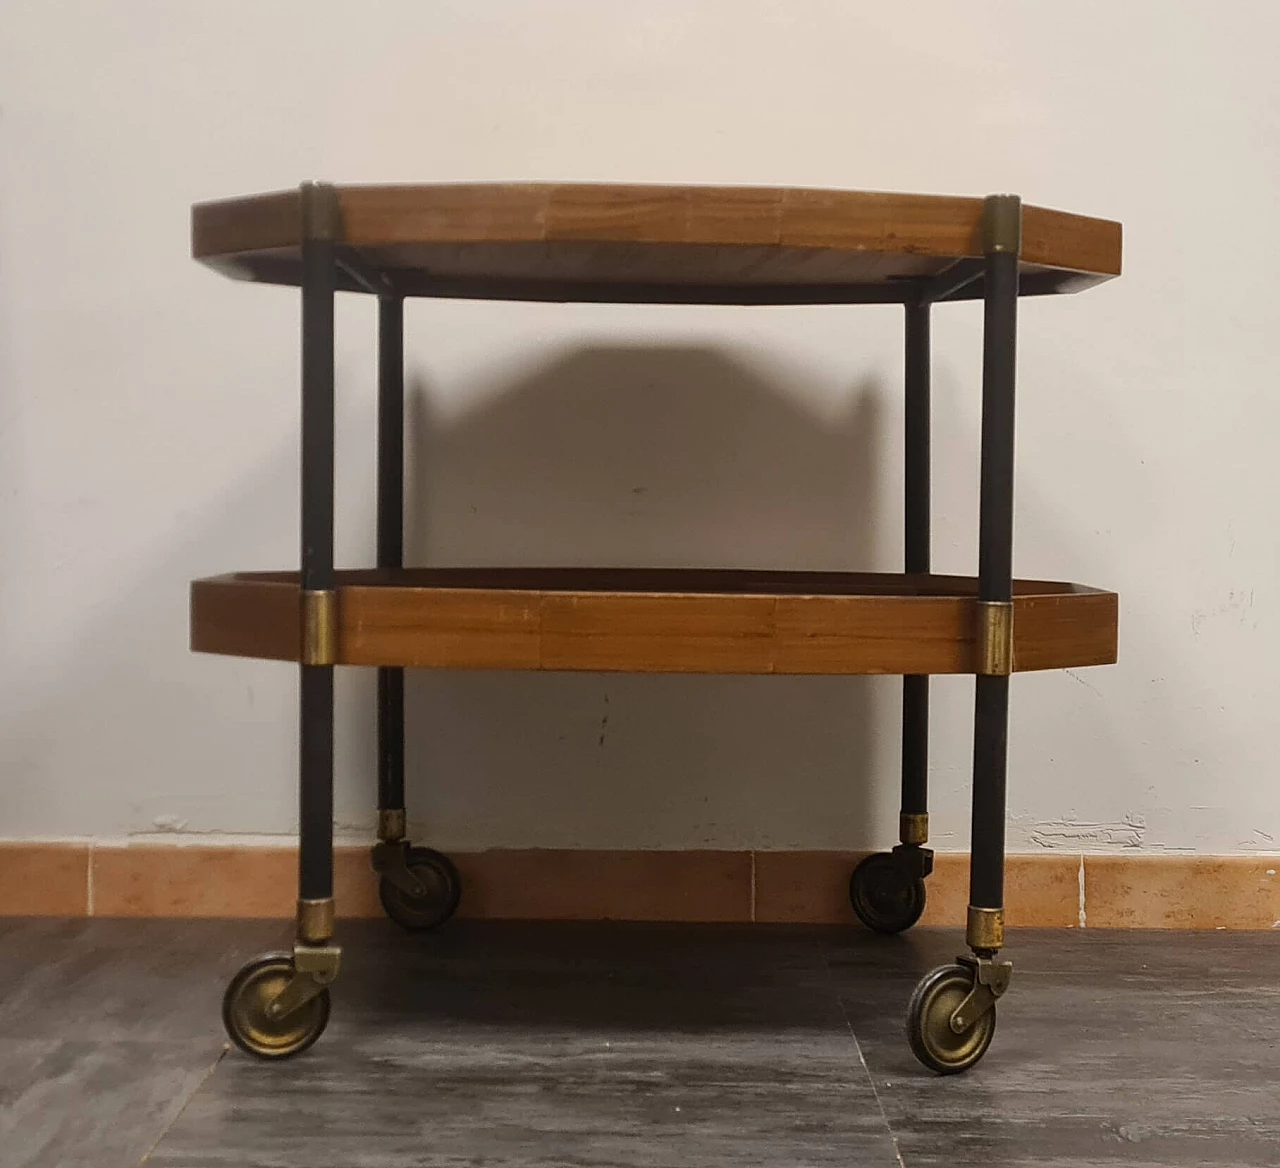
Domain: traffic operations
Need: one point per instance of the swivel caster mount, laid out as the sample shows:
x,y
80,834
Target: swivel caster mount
x,y
887,889
419,887
278,1005
951,1018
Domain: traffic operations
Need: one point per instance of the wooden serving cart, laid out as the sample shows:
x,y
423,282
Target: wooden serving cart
x,y
649,245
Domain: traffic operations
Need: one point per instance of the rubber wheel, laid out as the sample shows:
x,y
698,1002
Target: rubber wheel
x,y
929,1031
244,1011
443,890
885,896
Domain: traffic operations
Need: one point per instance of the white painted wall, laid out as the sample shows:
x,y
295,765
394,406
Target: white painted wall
x,y
148,408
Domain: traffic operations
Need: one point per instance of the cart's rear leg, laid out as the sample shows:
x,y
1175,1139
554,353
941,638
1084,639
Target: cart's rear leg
x,y
887,890
419,887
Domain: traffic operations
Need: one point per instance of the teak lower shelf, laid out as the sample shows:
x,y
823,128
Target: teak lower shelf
x,y
655,621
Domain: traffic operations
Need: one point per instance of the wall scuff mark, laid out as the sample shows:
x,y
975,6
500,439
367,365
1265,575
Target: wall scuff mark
x,y
1056,834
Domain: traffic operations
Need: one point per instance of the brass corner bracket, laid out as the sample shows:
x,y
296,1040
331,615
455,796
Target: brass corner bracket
x,y
1002,224
321,211
319,627
995,638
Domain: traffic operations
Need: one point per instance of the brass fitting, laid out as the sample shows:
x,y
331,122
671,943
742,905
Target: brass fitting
x,y
990,980
318,963
314,968
913,828
319,627
321,211
315,921
1002,224
391,825
995,638
985,929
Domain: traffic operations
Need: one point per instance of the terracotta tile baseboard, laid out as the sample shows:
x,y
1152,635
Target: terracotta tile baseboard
x,y
1046,890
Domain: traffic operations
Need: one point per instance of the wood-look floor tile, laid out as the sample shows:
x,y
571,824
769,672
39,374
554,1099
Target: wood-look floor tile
x,y
1105,1053
551,1045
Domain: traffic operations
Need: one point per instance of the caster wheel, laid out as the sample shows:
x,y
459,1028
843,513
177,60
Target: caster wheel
x,y
886,897
443,890
929,1031
244,1011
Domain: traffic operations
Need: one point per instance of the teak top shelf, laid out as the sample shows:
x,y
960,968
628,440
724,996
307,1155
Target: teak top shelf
x,y
649,244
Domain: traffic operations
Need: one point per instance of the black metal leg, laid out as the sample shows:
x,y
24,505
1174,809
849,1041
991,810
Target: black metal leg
x,y
315,859
278,1004
995,574
419,887
914,819
391,819
951,1016
990,746
887,889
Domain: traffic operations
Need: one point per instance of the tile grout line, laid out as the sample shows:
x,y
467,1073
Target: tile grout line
x,y
857,1046
146,1158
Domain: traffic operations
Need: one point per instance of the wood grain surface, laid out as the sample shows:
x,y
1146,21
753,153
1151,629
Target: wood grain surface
x,y
655,621
628,242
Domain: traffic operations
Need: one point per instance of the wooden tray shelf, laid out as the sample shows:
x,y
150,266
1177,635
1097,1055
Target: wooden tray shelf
x,y
646,244
655,621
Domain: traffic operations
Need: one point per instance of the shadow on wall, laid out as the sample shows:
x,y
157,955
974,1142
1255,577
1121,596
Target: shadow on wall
x,y
634,455
654,456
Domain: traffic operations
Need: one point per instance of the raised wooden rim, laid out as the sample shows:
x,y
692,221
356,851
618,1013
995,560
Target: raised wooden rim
x,y
656,621
257,236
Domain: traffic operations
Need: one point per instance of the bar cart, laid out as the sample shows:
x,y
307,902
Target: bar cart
x,y
650,245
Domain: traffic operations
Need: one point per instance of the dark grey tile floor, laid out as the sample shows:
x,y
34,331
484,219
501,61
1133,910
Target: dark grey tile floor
x,y
575,1045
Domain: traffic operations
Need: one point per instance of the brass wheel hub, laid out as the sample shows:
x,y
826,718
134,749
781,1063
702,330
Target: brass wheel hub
x,y
256,1024
934,1041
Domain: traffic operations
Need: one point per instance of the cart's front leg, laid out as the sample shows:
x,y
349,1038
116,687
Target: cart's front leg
x,y
278,1005
952,1016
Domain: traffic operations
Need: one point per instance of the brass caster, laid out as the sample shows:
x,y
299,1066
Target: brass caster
x,y
887,891
930,1029
253,1018
423,890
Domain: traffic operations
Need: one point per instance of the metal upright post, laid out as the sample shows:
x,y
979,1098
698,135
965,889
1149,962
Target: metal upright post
x,y
913,826
278,1005
315,852
887,889
391,810
951,1016
418,886
1002,244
